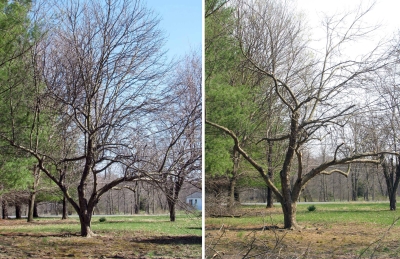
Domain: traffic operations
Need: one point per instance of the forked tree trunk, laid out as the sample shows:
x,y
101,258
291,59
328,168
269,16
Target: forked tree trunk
x,y
85,212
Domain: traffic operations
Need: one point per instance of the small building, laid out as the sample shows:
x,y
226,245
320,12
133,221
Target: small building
x,y
195,200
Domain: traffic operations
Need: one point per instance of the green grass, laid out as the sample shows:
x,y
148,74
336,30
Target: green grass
x,y
184,225
378,213
358,212
118,237
160,225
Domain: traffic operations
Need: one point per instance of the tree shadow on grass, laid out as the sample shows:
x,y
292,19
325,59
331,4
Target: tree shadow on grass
x,y
18,234
249,228
195,228
172,240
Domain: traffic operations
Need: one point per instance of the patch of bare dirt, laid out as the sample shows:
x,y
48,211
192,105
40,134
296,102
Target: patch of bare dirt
x,y
315,241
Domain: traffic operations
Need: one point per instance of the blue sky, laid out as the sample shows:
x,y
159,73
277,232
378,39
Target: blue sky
x,y
181,20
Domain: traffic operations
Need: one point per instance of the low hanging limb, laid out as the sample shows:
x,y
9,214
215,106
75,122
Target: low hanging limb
x,y
338,171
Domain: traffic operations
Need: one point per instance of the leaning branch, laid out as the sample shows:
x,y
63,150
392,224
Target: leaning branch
x,y
338,171
356,158
248,158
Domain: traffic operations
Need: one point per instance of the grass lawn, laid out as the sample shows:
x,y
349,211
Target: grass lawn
x,y
117,237
334,230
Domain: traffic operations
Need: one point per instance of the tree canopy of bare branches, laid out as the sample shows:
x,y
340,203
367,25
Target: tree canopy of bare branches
x,y
316,89
98,95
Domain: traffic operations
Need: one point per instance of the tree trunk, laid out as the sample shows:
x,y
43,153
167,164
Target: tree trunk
x,y
173,196
18,211
171,206
289,215
392,199
85,218
4,209
171,202
233,180
354,184
85,211
392,177
35,210
289,204
270,202
65,208
31,206
231,199
137,202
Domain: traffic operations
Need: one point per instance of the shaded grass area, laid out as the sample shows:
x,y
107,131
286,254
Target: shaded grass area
x,y
117,237
340,230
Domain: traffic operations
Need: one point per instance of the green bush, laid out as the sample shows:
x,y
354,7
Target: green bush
x,y
102,219
311,208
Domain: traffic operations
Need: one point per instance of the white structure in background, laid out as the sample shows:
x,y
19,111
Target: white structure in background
x,y
194,200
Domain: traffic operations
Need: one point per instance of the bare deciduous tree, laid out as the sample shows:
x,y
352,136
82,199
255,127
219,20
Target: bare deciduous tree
x,y
99,88
315,88
181,151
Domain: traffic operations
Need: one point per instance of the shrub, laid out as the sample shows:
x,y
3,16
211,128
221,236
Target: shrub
x,y
102,219
311,208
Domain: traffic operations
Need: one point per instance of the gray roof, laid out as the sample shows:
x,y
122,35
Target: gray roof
x,y
194,195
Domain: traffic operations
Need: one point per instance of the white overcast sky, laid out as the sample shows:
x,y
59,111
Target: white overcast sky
x,y
385,13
